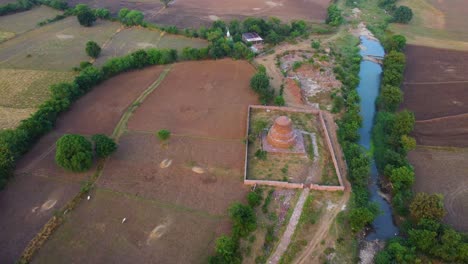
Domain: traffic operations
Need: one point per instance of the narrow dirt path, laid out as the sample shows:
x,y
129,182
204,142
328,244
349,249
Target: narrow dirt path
x,y
290,229
329,216
48,229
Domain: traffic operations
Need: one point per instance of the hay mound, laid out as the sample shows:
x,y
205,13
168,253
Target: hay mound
x,y
198,170
165,163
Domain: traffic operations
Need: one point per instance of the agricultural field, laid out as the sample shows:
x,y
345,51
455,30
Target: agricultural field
x,y
132,39
194,13
435,90
15,24
173,192
436,23
49,187
443,170
37,57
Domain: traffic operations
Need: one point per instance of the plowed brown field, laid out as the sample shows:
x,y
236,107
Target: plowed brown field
x,y
436,90
174,194
193,13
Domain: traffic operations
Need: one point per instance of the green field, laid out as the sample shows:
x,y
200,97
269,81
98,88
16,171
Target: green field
x,y
132,39
32,58
19,23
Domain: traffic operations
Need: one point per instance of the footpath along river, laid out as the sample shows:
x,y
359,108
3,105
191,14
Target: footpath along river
x,y
368,90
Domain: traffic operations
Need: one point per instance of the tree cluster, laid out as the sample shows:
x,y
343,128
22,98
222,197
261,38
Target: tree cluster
x,y
131,17
334,17
244,222
362,211
16,142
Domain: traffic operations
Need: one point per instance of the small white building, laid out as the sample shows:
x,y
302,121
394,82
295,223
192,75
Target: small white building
x,y
252,38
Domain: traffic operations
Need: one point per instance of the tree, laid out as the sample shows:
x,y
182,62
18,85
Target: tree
x,y
390,98
334,17
131,17
244,219
423,239
408,143
85,15
7,163
395,43
427,206
74,153
164,134
254,198
103,145
92,49
102,13
360,217
165,2
402,178
226,251
404,123
403,14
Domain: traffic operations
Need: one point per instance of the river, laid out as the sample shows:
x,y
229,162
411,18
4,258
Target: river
x,y
368,90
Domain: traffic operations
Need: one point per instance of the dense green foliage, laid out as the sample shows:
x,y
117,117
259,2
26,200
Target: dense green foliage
x,y
334,17
74,153
260,83
93,49
425,235
18,6
103,145
244,222
402,14
130,17
164,134
430,206
362,212
85,15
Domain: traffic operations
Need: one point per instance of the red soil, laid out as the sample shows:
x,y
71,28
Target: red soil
x,y
210,100
100,110
444,171
424,64
135,168
193,13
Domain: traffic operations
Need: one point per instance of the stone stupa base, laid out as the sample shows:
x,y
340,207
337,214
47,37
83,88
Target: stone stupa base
x,y
298,148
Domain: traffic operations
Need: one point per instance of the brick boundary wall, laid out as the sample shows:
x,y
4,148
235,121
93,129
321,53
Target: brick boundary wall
x,y
288,185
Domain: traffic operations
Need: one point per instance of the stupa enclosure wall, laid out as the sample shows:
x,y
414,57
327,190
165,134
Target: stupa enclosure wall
x,y
284,184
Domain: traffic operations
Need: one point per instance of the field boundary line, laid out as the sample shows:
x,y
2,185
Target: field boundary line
x,y
188,136
425,83
122,125
177,207
440,118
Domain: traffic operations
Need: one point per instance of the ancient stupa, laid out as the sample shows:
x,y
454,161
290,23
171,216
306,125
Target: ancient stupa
x,y
283,138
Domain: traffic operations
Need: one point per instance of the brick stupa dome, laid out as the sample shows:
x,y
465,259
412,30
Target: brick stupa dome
x,y
281,134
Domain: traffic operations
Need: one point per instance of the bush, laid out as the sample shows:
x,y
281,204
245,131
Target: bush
x,y
260,83
359,218
103,145
244,219
102,13
261,154
255,198
279,100
334,17
131,17
92,49
226,251
74,153
84,15
164,134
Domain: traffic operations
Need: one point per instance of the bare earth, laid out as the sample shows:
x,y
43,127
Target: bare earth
x,y
194,13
